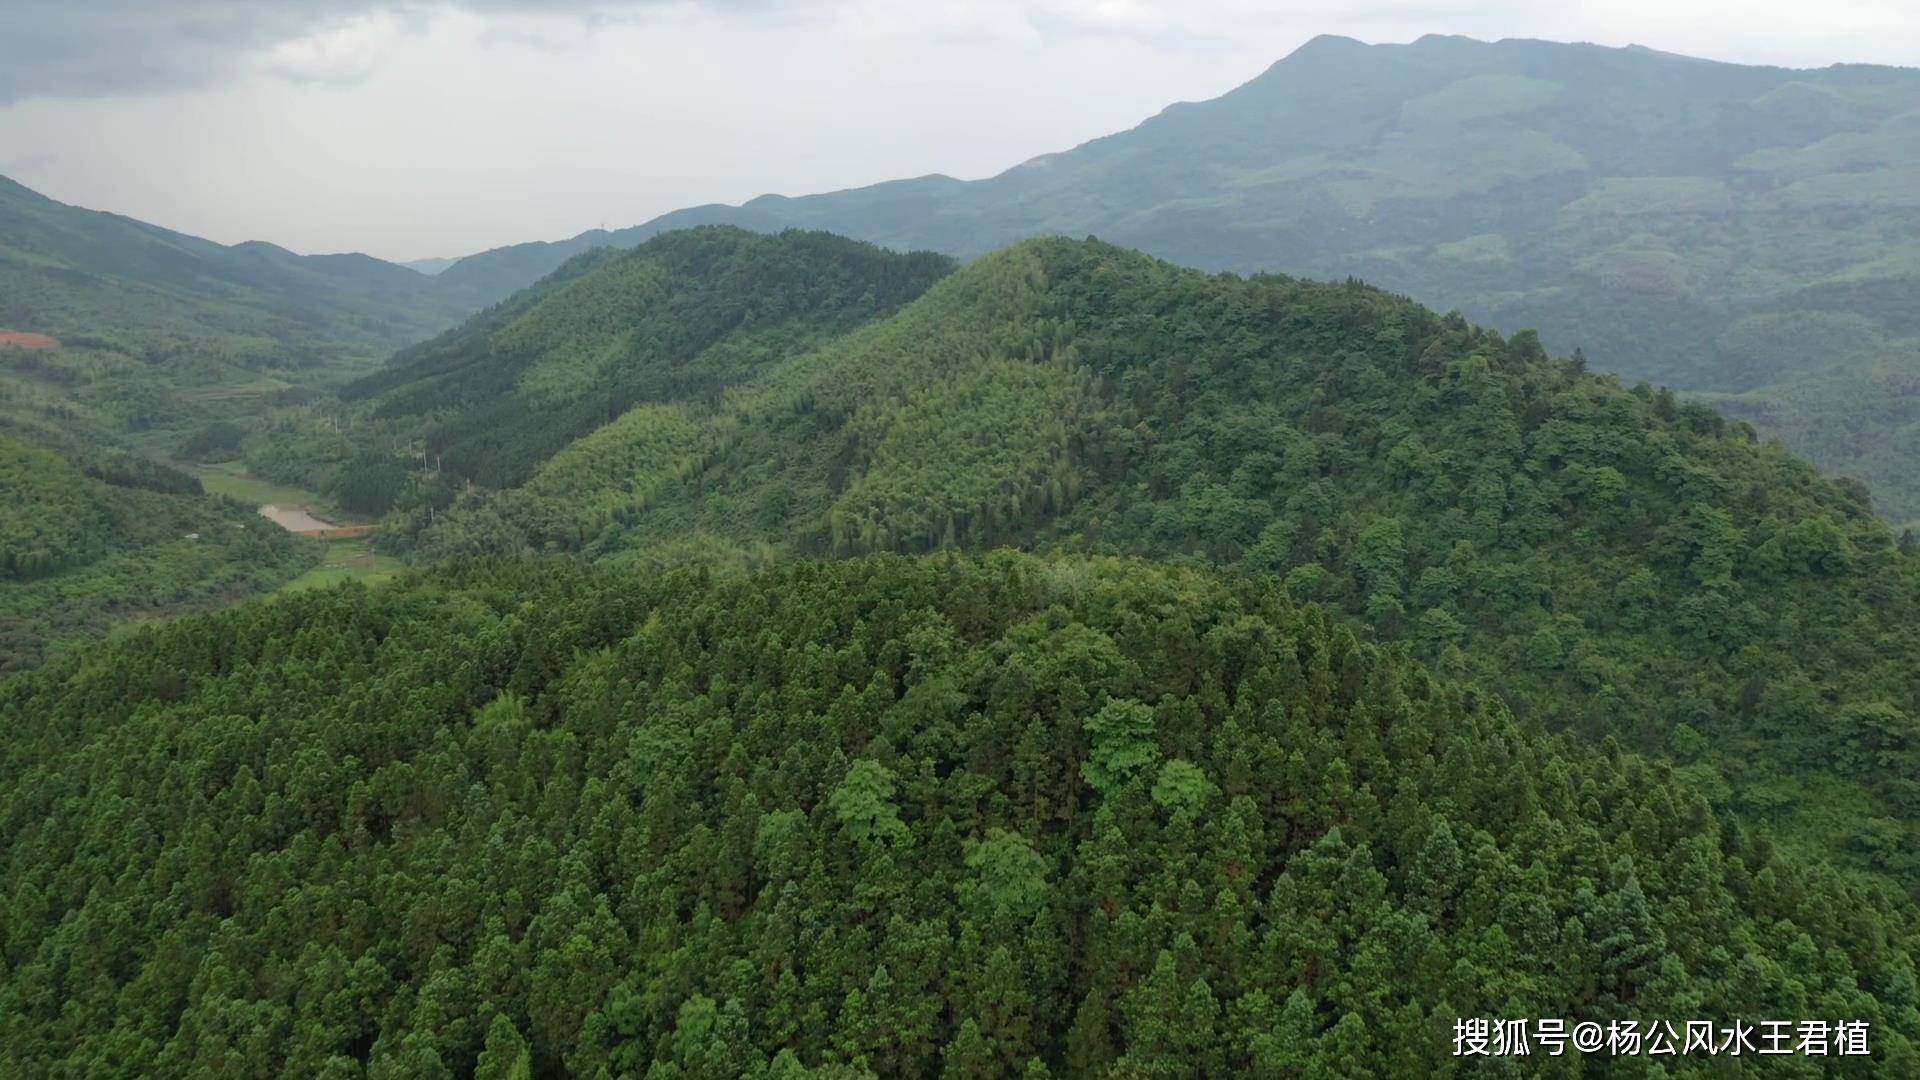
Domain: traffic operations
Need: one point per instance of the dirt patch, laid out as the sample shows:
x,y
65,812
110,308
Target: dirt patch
x,y
18,339
295,519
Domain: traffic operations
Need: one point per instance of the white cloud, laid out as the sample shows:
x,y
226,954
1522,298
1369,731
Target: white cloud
x,y
82,48
346,53
407,128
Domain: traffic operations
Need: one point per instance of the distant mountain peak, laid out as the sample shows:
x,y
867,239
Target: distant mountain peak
x,y
103,272
1648,50
1329,43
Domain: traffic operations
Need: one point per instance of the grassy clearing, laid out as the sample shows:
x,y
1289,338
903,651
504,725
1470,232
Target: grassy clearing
x,y
233,393
232,479
347,560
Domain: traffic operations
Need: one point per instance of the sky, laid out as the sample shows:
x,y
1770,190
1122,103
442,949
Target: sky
x,y
409,129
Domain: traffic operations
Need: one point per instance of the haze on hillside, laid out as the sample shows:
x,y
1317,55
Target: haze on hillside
x,y
305,124
1749,235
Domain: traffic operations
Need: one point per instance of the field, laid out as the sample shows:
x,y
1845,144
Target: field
x,y
233,480
347,560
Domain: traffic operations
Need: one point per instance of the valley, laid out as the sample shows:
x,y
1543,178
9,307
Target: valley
x,y
1749,235
95,538
349,551
348,559
1420,536
294,519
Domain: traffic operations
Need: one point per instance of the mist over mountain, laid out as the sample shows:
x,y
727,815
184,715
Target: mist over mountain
x,y
69,271
1750,234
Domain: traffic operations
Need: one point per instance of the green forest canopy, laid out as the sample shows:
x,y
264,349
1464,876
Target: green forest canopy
x,y
685,316
1461,681
1016,816
1610,560
90,539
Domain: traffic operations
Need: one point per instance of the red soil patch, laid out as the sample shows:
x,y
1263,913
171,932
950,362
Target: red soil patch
x,y
16,339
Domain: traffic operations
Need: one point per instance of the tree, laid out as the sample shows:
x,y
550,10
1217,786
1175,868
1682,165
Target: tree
x,y
506,1056
1121,745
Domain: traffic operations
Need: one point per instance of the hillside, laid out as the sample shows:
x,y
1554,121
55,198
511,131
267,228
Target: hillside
x,y
1749,234
680,319
93,538
1614,562
69,271
896,817
429,267
163,333
1414,560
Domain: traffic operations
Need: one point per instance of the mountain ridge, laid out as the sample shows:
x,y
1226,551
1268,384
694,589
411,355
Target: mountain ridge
x,y
1614,559
1369,669
688,313
71,270
1526,183
837,663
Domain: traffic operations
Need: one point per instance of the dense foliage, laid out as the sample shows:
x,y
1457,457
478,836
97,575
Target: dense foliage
x,y
1612,561
679,319
1750,233
907,817
217,441
162,348
87,542
1462,681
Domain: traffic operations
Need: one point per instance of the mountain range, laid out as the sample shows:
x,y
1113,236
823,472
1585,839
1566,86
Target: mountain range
x,y
1548,530
148,335
1365,669
944,650
72,272
1748,234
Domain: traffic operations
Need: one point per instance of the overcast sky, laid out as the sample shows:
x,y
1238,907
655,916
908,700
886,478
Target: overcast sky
x,y
410,129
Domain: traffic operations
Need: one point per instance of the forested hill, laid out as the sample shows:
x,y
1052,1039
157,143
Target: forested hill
x,y
1013,817
678,320
93,537
1750,233
70,272
1613,562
